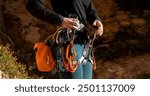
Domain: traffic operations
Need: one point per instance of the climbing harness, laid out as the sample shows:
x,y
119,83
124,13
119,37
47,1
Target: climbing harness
x,y
68,54
65,59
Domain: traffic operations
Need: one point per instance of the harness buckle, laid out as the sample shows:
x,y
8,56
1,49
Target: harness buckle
x,y
82,60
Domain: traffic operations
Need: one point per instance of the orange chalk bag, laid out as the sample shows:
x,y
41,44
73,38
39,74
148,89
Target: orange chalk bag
x,y
44,57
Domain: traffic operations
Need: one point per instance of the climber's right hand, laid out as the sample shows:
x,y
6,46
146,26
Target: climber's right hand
x,y
70,23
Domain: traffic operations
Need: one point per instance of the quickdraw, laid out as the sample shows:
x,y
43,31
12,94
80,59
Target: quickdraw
x,y
71,64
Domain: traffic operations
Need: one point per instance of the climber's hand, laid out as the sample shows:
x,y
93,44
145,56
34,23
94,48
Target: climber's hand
x,y
70,23
99,27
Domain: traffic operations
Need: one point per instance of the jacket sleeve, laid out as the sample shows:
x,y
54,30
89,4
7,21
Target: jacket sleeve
x,y
37,9
92,14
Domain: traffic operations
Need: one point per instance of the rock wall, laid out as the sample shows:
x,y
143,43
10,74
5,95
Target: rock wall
x,y
21,26
28,29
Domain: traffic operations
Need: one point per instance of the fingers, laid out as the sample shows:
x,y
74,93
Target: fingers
x,y
75,20
74,23
70,23
94,23
99,26
97,23
99,31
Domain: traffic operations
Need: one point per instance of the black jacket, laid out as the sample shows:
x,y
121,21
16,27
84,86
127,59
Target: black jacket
x,y
84,9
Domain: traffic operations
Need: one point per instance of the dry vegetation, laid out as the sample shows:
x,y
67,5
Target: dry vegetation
x,y
9,67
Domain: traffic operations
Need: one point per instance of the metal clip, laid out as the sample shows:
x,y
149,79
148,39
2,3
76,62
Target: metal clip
x,y
82,60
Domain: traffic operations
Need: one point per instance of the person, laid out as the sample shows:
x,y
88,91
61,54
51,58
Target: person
x,y
60,15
